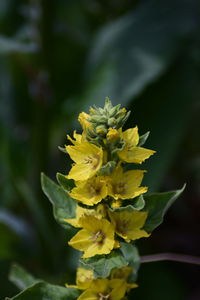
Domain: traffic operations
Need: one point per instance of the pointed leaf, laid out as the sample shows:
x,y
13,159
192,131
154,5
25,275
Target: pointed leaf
x,y
45,291
21,278
63,205
157,206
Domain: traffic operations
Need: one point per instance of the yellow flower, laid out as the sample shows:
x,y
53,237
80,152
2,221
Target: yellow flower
x,y
128,224
99,213
125,185
88,158
84,118
96,237
84,279
102,289
131,153
91,191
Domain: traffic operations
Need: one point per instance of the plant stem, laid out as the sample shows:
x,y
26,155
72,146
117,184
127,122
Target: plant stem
x,y
171,257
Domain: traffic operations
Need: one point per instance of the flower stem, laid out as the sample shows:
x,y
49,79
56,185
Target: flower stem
x,y
171,257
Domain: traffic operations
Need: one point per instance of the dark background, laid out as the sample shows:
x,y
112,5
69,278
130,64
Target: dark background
x,y
56,59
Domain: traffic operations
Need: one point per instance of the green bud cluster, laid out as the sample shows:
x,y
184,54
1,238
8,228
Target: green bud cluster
x,y
104,118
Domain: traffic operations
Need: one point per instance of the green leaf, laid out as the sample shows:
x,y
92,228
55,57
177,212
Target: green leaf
x,y
45,291
21,278
65,183
103,266
131,255
63,206
143,138
157,206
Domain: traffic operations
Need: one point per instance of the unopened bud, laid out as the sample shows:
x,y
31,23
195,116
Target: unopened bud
x,y
113,135
112,122
101,130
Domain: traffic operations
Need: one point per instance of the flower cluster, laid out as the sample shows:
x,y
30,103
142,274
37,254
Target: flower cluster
x,y
106,188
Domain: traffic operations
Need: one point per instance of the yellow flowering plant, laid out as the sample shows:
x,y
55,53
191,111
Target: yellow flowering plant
x,y
105,206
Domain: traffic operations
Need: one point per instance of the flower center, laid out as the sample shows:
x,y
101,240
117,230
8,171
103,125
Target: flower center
x,y
92,160
120,188
88,160
122,226
95,190
103,296
98,237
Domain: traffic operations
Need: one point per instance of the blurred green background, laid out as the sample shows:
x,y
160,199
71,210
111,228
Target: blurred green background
x,y
56,59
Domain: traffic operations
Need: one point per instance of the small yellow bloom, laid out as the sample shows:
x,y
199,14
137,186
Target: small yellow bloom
x,y
81,212
102,289
96,237
91,191
131,152
88,158
113,135
125,185
84,118
128,224
84,279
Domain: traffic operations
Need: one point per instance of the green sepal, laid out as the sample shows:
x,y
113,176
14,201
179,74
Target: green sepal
x,y
62,149
107,169
102,266
157,205
131,255
143,138
138,202
64,207
65,183
135,204
121,121
115,147
43,290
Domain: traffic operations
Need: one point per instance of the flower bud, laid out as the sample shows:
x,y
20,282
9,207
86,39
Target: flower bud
x,y
83,119
112,135
112,122
101,130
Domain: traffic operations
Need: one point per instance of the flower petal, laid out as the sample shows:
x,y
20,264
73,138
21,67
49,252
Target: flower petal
x,y
81,241
135,155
